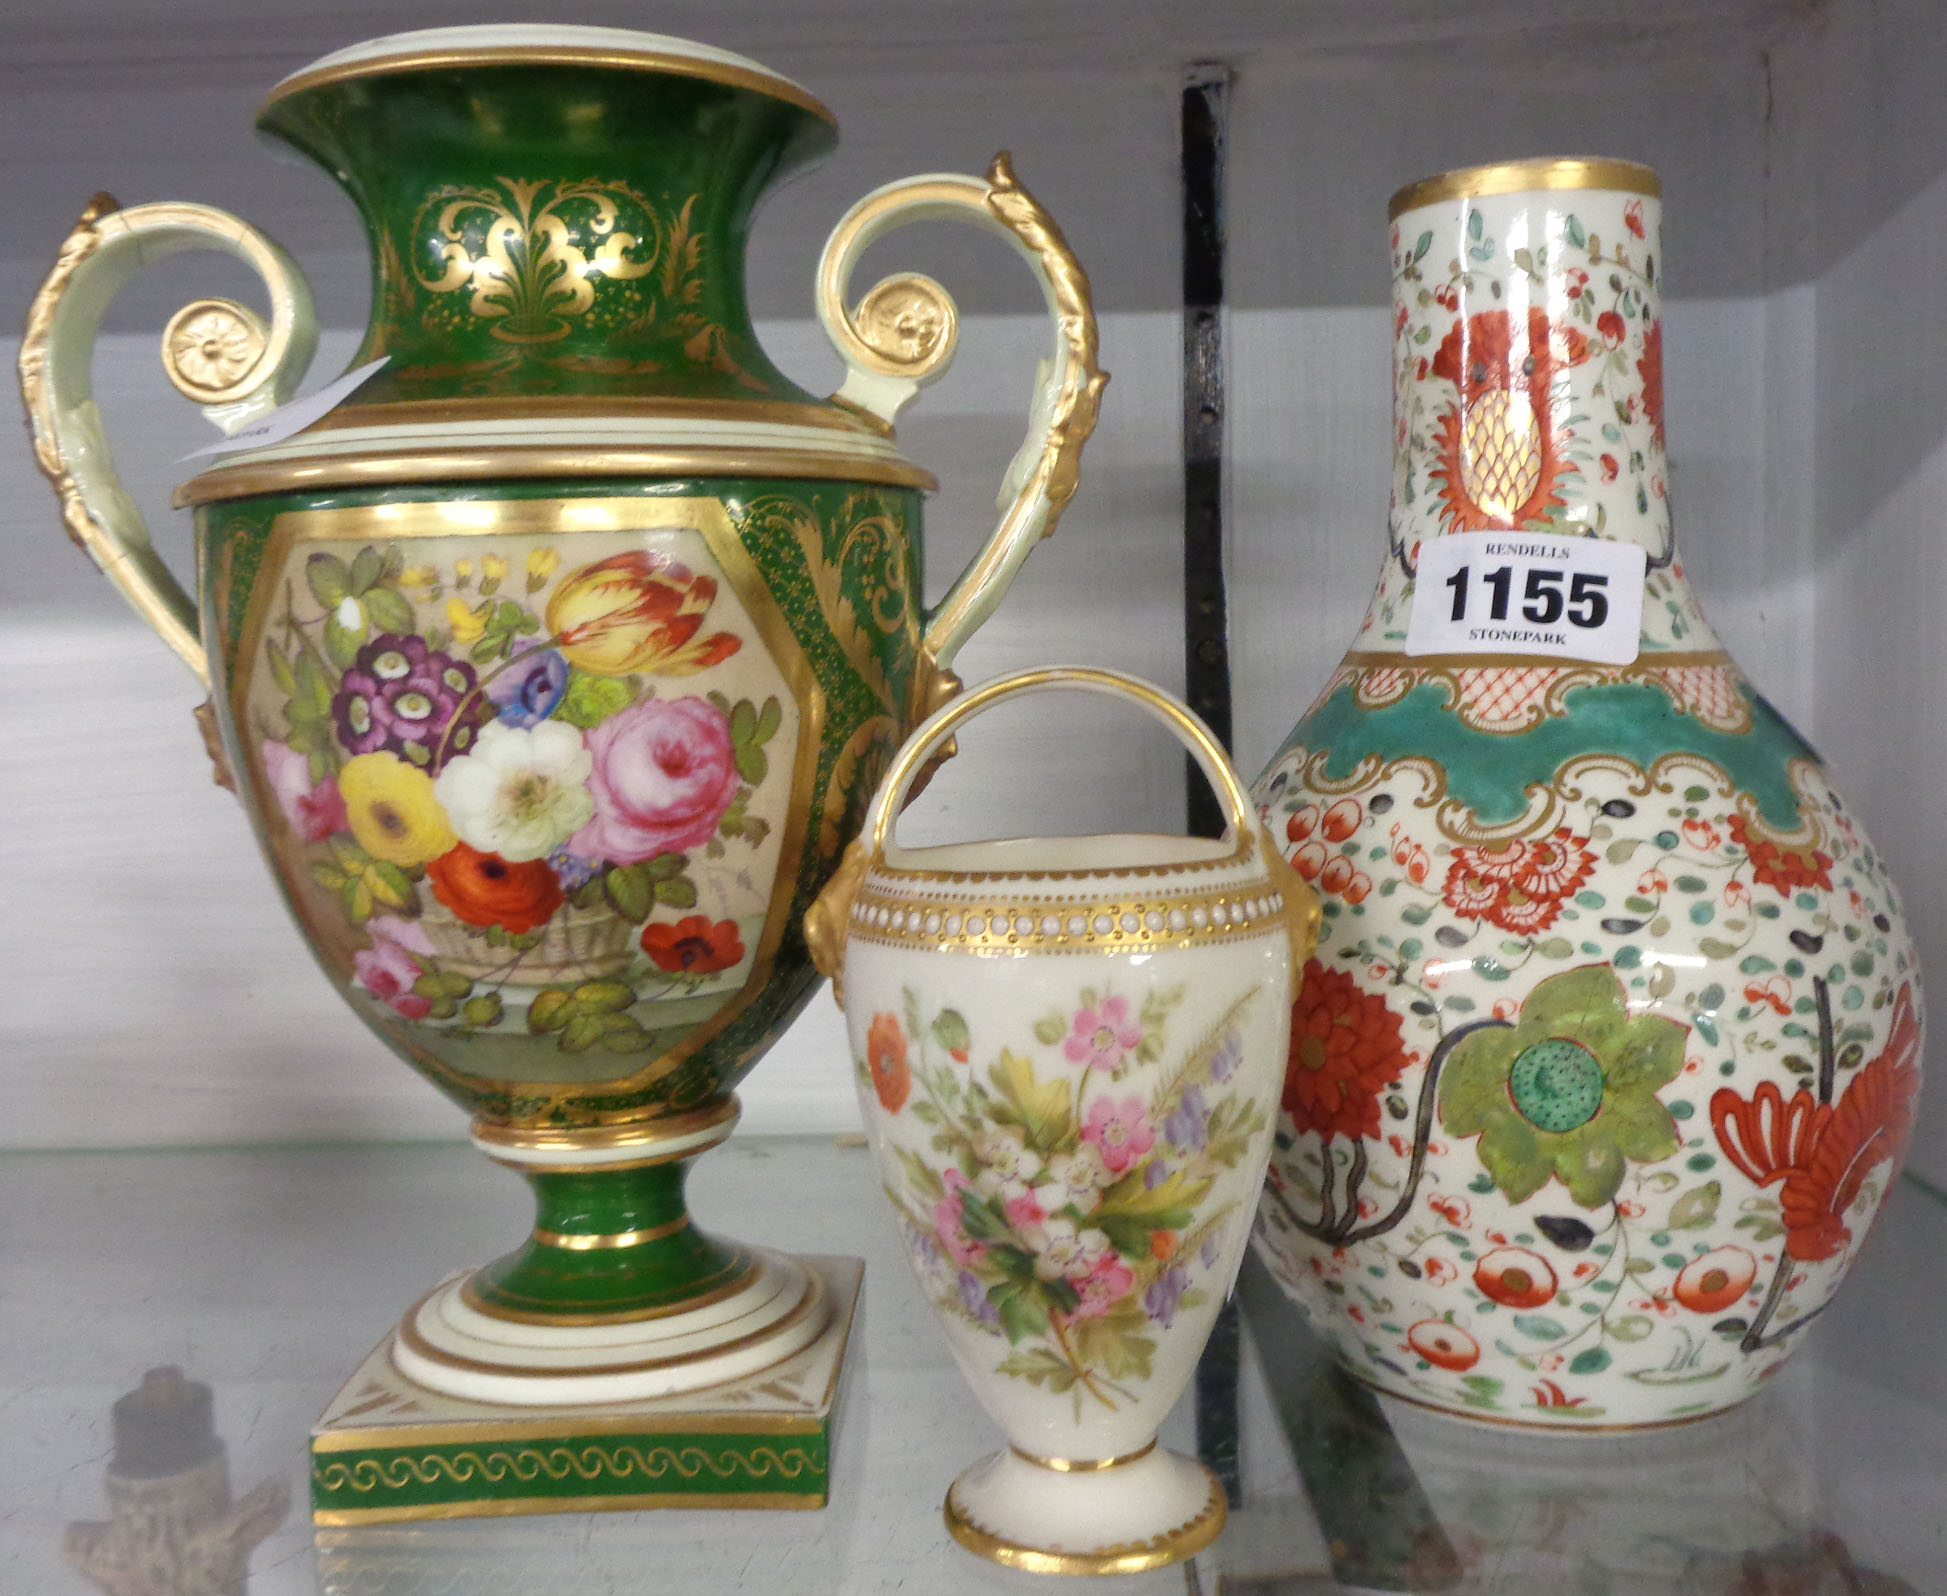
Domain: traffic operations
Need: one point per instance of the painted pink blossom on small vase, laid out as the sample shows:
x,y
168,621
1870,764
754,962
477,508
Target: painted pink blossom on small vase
x,y
1025,1209
1103,1035
949,1222
1120,1130
1102,1287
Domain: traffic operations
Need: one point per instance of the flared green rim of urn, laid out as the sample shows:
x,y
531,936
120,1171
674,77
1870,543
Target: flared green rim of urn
x,y
558,212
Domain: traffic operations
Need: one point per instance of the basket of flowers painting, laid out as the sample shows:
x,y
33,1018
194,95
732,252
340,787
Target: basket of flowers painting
x,y
525,797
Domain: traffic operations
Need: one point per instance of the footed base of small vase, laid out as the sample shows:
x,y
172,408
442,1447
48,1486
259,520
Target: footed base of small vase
x,y
390,1448
1114,1516
454,1343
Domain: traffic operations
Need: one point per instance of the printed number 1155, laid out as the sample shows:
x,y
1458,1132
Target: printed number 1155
x,y
1547,597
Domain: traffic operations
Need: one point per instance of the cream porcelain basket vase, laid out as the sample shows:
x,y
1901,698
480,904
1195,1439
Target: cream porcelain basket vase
x,y
1068,1052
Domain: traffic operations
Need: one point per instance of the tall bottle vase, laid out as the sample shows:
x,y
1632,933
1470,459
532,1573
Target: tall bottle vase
x,y
1609,1050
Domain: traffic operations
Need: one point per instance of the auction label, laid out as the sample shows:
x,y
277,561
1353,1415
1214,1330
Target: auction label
x,y
288,420
1528,593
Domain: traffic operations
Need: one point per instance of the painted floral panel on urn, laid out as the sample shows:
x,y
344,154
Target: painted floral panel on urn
x,y
529,793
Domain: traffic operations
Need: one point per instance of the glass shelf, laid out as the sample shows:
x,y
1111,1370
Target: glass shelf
x,y
268,1274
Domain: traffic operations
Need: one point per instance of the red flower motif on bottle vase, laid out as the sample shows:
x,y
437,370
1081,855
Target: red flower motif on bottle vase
x,y
1346,1045
1500,452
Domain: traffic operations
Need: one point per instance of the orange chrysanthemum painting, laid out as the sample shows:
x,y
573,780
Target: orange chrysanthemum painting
x,y
1345,1046
1519,886
1650,368
1773,864
1500,457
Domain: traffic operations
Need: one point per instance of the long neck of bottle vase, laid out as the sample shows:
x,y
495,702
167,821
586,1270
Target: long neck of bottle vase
x,y
1528,388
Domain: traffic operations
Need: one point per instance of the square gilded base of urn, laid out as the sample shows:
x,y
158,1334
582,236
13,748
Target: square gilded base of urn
x,y
387,1450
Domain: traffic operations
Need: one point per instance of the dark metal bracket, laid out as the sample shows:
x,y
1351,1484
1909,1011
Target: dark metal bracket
x,y
1206,663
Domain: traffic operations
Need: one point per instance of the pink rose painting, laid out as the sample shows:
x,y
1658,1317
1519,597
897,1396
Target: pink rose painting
x,y
664,774
390,966
314,812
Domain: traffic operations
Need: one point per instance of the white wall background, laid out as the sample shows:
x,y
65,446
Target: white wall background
x,y
150,990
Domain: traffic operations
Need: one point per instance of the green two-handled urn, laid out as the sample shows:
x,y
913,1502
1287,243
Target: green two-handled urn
x,y
555,668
